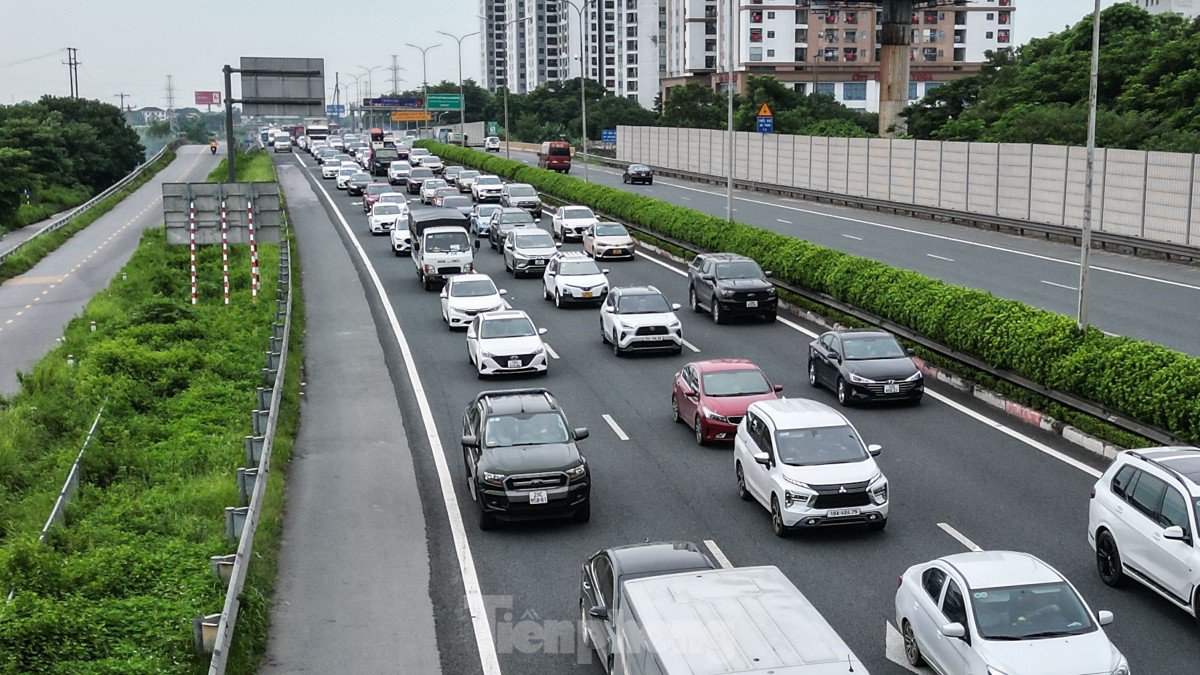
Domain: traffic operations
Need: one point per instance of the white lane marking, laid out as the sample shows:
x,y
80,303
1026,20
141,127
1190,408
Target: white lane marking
x,y
686,199
616,429
938,257
660,263
1051,283
718,554
962,538
691,346
894,650
550,350
850,236
781,220
462,548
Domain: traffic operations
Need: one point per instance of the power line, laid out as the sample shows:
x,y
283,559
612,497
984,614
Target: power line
x,y
121,95
18,62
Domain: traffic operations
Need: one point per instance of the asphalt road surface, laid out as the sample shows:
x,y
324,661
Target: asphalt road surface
x,y
959,474
1138,297
36,306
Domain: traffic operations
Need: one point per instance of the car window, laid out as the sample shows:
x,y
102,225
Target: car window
x,y
446,242
525,429
1174,511
932,581
835,344
472,425
509,327
1028,612
873,347
473,288
386,210
827,341
611,230
819,446
579,268
534,239
1121,481
740,269
643,303
953,605
576,212
521,191
488,180
602,571
749,382
1147,494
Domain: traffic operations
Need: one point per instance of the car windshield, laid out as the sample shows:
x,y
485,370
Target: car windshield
x,y
473,288
430,159
468,175
535,239
485,212
378,189
346,172
820,445
508,327
445,192
872,347
522,191
528,429
386,153
489,180
361,176
456,202
639,167
642,303
577,213
435,184
578,268
513,217
386,210
420,173
742,269
446,242
1029,612
611,230
749,382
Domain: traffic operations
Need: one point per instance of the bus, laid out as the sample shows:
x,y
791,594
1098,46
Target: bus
x,y
317,131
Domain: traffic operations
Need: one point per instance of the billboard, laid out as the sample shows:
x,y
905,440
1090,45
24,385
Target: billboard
x,y
410,116
208,98
283,87
385,102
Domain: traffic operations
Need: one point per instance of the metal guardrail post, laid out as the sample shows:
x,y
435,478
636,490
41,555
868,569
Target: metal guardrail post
x,y
254,445
245,482
235,522
222,566
204,632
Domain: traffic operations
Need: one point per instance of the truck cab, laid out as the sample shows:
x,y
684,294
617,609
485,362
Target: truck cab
x,y
441,245
555,156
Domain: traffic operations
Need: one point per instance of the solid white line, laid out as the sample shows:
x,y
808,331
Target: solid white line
x,y
691,346
616,429
660,263
781,220
850,236
962,539
718,554
938,257
1051,283
462,548
549,350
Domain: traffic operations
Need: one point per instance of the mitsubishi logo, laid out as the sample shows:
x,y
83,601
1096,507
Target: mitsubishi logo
x,y
842,490
891,382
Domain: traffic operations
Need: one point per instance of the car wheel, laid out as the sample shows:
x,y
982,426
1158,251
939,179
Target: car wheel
x,y
486,520
716,312
616,345
603,335
558,299
912,652
770,318
777,525
743,493
698,430
692,300
1108,560
397,253
584,513
650,182
585,638
843,396
545,293
427,283
625,179
675,410
812,373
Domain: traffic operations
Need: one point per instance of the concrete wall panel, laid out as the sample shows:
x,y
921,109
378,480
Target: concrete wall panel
x,y
1015,180
837,167
1049,175
981,179
802,161
878,167
1125,183
1077,186
927,176
953,175
755,156
902,187
770,164
1168,180
859,154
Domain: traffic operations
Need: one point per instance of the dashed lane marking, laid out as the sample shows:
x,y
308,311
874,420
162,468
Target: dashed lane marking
x,y
615,427
960,537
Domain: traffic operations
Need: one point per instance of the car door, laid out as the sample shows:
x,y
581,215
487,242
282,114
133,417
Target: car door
x,y
444,297
757,475
473,339
602,588
694,275
471,454
588,239
821,357
833,360
1121,515
688,403
550,277
1145,496
960,654
925,614
606,311
1171,561
708,288
509,248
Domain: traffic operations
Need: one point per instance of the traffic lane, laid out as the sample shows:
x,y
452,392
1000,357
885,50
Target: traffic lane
x,y
1140,298
36,306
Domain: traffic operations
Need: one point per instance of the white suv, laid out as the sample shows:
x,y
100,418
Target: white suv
x,y
806,463
640,318
570,222
573,277
1143,519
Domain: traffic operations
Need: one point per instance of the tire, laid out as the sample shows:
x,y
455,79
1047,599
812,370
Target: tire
x,y
584,513
912,651
1108,560
616,345
770,318
743,493
843,396
545,293
397,253
625,179
698,432
777,525
427,283
585,638
693,301
603,335
675,410
650,182
716,312
486,521
812,374
558,299
878,526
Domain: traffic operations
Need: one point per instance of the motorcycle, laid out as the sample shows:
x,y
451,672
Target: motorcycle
x,y
212,149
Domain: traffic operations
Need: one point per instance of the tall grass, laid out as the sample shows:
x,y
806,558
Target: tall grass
x,y
250,166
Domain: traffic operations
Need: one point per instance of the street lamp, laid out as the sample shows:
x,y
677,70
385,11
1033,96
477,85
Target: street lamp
x,y
462,109
424,73
369,71
583,55
507,147
729,121
1085,239
357,98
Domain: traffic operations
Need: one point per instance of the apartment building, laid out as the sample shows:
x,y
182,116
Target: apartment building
x,y
1188,8
524,55
626,47
829,45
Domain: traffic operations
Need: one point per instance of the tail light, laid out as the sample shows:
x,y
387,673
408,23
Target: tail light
x,y
1093,495
899,582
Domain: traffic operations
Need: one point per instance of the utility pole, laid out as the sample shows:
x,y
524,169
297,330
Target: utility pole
x,y
583,63
1085,239
462,110
424,75
507,146
170,90
729,61
72,64
121,95
396,68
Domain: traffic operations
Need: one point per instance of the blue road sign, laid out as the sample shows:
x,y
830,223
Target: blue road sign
x,y
608,135
331,109
766,124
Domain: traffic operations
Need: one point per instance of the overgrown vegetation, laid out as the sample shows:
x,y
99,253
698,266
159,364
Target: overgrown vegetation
x,y
1145,381
250,167
24,259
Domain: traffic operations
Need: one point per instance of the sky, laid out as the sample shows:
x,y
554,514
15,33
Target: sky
x,y
131,46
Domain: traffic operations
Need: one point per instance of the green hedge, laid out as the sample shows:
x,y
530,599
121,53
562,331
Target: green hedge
x,y
1145,381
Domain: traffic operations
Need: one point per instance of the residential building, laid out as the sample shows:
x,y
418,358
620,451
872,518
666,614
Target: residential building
x,y
829,45
152,114
626,47
525,54
1188,8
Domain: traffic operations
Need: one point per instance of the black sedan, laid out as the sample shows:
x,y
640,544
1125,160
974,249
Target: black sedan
x,y
358,182
504,220
864,365
602,578
638,173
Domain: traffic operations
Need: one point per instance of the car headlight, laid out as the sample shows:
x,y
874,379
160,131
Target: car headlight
x,y
1121,666
791,498
714,416
771,291
726,293
429,269
578,472
493,478
486,354
797,483
859,379
915,376
879,490
674,325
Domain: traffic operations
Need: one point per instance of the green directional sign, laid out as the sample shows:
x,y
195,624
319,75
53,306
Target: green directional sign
x,y
445,102
493,128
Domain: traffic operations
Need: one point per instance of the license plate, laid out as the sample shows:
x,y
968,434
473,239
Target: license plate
x,y
538,497
891,389
539,261
752,303
655,338
587,294
838,513
616,251
514,363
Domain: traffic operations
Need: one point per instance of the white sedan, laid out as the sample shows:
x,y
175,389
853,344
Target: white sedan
x,y
330,168
1000,613
344,172
401,238
384,216
506,342
570,222
467,295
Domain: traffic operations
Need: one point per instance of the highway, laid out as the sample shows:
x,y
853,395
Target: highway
x,y
36,306
1137,297
960,475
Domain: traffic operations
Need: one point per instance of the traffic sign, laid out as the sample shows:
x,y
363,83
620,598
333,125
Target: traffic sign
x,y
384,102
410,116
445,102
331,109
766,124
608,135
493,129
765,111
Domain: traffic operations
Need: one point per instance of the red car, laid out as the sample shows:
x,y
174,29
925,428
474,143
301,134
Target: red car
x,y
712,396
370,195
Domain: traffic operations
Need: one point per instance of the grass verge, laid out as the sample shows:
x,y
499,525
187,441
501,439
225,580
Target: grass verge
x,y
36,249
50,201
251,167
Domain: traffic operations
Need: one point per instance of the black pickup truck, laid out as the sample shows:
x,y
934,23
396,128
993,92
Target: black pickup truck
x,y
382,159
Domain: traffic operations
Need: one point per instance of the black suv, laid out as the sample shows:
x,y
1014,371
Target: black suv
x,y
729,284
521,459
382,160
417,178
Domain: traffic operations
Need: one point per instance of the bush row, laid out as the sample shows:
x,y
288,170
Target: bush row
x,y
1145,381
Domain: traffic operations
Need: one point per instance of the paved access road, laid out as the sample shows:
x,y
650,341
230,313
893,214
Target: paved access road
x,y
36,306
957,474
1138,297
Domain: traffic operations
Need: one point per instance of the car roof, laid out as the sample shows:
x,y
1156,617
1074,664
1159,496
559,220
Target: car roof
x,y
504,314
638,290
513,401
457,278
799,413
722,256
714,365
571,255
661,556
861,332
513,209
1183,461
992,569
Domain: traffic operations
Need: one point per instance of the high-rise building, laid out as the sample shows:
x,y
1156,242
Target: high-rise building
x,y
626,45
830,45
524,54
1188,8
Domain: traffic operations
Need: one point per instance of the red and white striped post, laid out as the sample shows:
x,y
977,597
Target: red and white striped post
x,y
225,250
192,241
253,251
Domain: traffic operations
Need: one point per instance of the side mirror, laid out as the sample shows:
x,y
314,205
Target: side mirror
x,y
1174,533
763,458
707,277
541,331
768,274
604,271
598,613
689,392
1104,617
476,244
910,351
503,292
675,306
443,295
874,450
954,630
581,433
778,388
557,244
836,356
470,441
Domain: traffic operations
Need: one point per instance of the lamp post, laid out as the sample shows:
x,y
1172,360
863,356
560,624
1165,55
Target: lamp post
x,y
358,97
583,60
1085,239
729,61
424,74
462,111
369,71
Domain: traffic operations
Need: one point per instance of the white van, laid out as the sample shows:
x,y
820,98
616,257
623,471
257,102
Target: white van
x,y
722,622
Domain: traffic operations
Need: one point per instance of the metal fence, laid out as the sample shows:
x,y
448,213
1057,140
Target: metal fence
x,y
1147,196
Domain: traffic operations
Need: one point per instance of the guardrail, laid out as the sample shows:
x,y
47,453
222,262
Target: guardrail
x,y
214,633
59,223
1110,240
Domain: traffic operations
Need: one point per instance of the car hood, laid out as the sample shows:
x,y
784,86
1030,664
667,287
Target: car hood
x,y
486,188
883,369
530,458
536,251
639,320
577,223
384,218
583,280
744,284
1086,654
735,405
511,346
834,474
474,304
614,241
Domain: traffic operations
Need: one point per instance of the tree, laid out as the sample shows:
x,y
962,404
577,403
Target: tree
x,y
696,106
16,178
613,111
